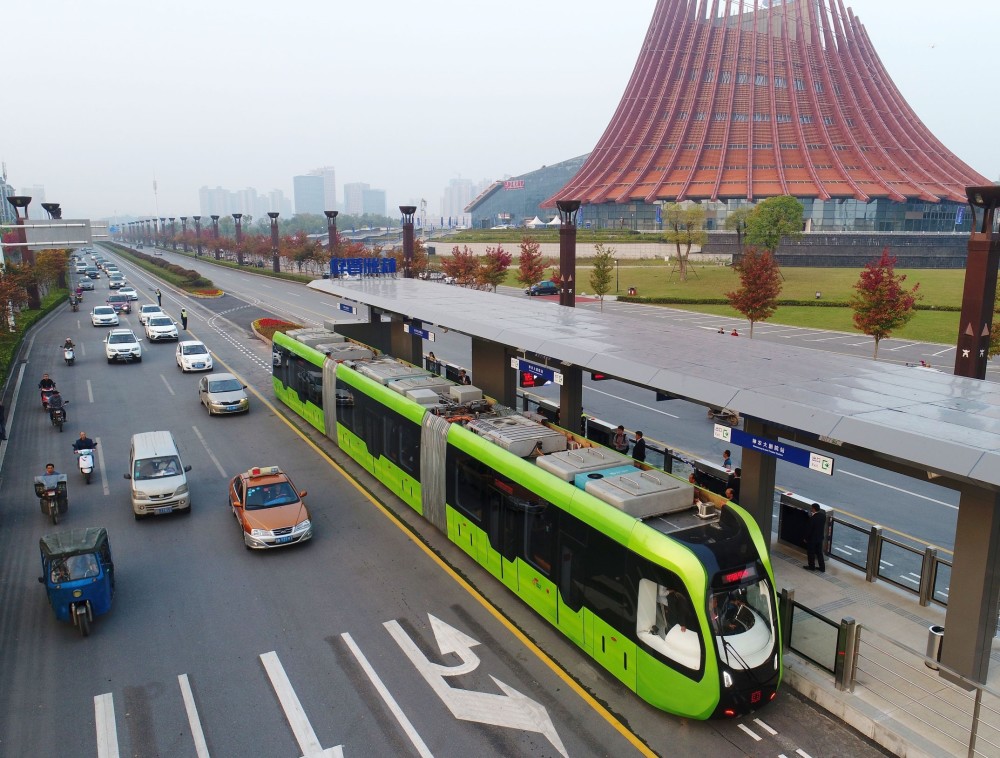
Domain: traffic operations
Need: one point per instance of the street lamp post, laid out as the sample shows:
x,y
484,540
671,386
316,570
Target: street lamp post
x,y
184,231
197,233
215,233
163,233
275,258
567,250
407,211
237,217
331,231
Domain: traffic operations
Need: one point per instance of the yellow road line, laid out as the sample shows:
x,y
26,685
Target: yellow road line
x,y
478,596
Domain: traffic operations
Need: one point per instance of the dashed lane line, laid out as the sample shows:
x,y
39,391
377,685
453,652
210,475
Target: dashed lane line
x,y
107,731
204,444
745,728
169,388
197,733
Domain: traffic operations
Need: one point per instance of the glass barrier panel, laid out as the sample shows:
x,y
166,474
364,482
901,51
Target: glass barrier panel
x,y
942,581
814,637
849,543
900,565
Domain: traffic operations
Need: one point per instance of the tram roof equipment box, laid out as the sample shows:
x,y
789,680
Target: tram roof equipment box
x,y
518,435
644,493
388,370
350,352
568,464
436,383
580,480
424,397
465,393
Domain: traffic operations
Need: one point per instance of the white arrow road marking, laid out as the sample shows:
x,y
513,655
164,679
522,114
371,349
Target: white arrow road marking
x,y
387,697
197,734
511,709
107,731
803,753
308,741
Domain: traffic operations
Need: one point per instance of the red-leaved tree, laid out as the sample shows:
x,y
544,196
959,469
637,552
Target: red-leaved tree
x,y
461,266
492,268
881,303
530,264
760,285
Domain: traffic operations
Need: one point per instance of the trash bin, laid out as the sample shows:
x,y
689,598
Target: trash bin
x,y
631,290
935,639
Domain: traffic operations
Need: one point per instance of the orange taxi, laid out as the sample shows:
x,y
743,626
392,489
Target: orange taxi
x,y
269,509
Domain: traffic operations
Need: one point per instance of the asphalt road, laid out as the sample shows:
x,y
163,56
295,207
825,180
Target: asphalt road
x,y
212,649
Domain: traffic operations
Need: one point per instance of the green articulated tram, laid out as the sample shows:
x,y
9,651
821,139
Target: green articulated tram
x,y
666,586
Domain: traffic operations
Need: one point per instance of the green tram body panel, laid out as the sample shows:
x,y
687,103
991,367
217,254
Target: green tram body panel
x,y
663,686
392,476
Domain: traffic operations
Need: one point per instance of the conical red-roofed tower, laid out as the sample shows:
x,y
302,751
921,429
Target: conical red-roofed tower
x,y
749,99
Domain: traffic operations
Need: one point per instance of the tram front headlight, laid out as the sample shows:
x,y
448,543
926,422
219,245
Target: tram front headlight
x,y
775,661
727,679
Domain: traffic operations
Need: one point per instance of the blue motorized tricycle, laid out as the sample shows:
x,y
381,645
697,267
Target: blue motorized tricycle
x,y
78,575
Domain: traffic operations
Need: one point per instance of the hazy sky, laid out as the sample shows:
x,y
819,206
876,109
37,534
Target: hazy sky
x,y
103,95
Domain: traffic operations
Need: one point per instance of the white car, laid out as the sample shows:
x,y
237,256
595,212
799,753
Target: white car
x,y
103,315
149,309
161,328
193,356
122,345
129,292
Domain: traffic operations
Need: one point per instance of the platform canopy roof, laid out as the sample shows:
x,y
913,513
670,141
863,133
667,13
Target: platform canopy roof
x,y
946,425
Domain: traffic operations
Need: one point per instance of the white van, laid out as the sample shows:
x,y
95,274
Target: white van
x,y
159,479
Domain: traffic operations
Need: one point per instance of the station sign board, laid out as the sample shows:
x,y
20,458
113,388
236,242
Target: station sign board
x,y
362,267
537,370
780,450
416,331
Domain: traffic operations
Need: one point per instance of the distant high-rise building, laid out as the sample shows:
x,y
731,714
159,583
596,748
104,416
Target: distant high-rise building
x,y
308,192
354,198
6,209
276,201
216,202
329,176
37,194
373,201
457,195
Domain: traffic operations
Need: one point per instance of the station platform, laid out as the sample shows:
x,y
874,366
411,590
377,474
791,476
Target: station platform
x,y
898,701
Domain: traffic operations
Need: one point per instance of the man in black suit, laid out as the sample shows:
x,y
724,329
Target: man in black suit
x,y
815,533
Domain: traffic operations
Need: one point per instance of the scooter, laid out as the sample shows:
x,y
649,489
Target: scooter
x,y
58,415
74,304
85,460
69,355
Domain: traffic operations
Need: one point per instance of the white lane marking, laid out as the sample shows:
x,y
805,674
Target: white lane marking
x,y
858,344
765,727
803,753
208,450
756,737
387,697
905,578
309,743
827,339
512,709
169,388
899,489
942,352
104,471
630,402
197,734
90,391
265,286
886,563
912,344
107,731
83,350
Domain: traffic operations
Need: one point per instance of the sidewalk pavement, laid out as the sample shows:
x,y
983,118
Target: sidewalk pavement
x,y
899,702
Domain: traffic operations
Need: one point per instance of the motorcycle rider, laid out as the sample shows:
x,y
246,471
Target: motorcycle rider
x,y
56,404
50,470
84,443
46,383
68,344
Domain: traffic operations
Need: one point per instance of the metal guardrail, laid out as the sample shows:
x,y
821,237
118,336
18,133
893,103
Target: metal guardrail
x,y
958,715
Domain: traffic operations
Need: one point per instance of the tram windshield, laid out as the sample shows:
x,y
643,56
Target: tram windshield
x,y
742,618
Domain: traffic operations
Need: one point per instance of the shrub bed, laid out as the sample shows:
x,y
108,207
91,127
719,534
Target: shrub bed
x,y
187,279
10,342
266,327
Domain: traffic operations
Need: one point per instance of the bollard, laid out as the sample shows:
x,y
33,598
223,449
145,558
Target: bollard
x,y
935,641
786,610
874,550
926,590
845,667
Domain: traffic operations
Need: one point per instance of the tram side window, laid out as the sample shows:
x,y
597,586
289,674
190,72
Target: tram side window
x,y
468,486
666,622
539,536
345,413
603,580
570,573
280,358
402,443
